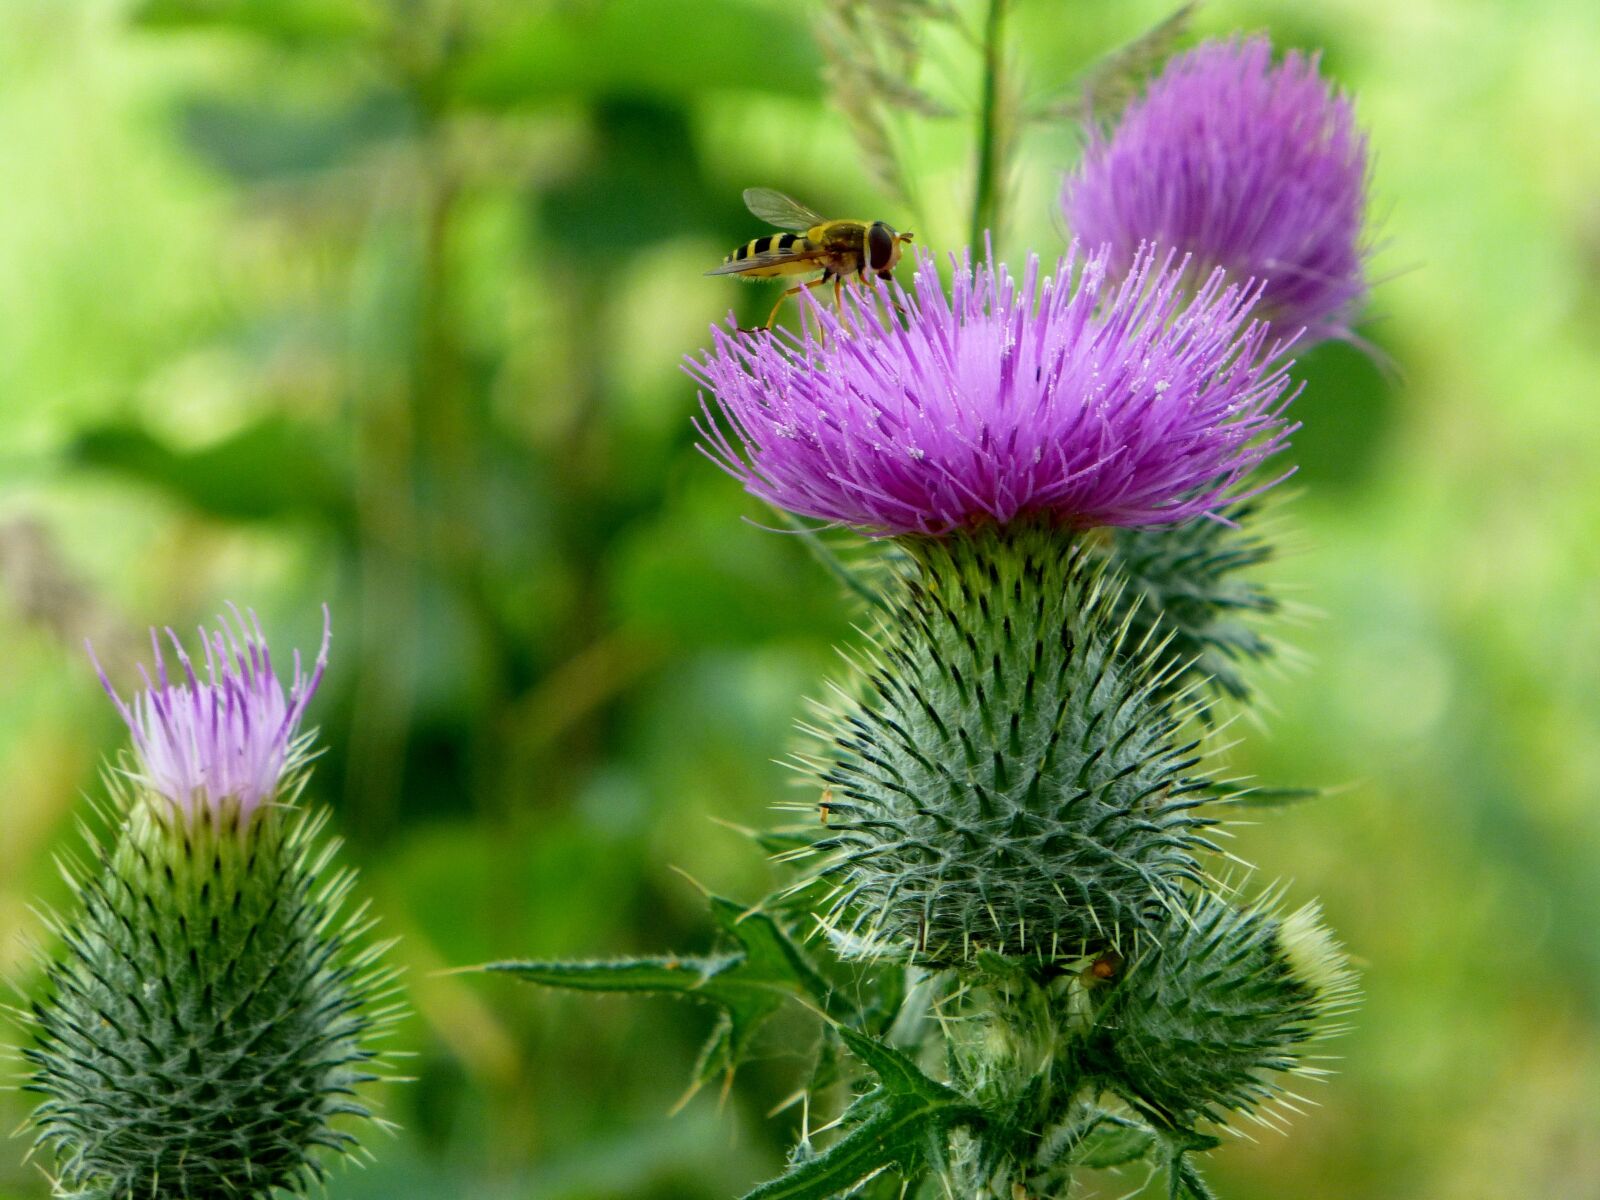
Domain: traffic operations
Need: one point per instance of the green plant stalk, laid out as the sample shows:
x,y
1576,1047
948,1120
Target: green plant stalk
x,y
986,191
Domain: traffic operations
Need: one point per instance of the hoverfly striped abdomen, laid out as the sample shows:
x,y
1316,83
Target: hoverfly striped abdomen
x,y
775,243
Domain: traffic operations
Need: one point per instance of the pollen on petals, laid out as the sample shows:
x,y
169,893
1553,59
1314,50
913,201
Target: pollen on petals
x,y
225,731
1253,167
1086,395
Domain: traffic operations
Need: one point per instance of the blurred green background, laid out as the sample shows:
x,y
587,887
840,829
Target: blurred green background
x,y
381,302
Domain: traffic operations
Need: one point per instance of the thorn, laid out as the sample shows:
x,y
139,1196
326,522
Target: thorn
x,y
693,882
683,1100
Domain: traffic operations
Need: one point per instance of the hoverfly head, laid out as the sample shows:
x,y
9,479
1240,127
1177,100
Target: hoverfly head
x,y
883,248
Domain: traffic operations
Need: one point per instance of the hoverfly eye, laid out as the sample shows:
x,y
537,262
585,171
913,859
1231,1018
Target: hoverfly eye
x,y
880,246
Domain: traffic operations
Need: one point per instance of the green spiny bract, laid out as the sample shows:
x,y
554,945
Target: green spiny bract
x,y
1009,779
1210,1016
1188,578
210,1015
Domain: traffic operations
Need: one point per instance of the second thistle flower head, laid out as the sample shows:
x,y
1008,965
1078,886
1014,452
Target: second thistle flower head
x,y
212,1013
226,733
1255,168
1074,397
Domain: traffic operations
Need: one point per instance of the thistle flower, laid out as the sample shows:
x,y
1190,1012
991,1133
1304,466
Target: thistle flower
x,y
1254,168
211,1013
231,736
1070,397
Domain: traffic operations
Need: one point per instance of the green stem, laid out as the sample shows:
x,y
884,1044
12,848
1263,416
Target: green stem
x,y
986,191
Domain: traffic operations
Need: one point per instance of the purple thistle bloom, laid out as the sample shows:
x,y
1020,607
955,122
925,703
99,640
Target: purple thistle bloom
x,y
1092,403
230,735
1256,169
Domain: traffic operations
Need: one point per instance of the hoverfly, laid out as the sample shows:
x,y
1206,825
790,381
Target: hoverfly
x,y
839,249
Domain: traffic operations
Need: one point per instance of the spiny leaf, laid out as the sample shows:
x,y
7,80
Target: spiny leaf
x,y
770,955
899,1125
1114,1147
1102,1140
747,984
897,1074
667,974
1184,1181
1261,797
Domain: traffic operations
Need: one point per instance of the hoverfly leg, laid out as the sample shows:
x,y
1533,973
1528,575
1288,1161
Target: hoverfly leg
x,y
880,295
772,317
807,315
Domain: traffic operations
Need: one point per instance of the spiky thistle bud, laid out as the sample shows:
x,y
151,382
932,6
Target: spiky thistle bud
x,y
1192,581
1210,1018
1007,780
212,1010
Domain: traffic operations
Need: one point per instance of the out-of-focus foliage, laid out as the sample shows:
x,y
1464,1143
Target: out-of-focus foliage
x,y
381,302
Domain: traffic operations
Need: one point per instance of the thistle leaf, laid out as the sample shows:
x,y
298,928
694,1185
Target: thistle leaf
x,y
1114,1146
899,1125
747,984
770,956
1102,1140
897,1074
1184,1181
670,974
1261,797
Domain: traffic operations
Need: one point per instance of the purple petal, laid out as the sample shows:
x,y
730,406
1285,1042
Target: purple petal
x,y
224,732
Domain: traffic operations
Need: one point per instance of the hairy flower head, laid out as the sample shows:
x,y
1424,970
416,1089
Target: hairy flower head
x,y
1255,168
227,732
1075,396
209,1022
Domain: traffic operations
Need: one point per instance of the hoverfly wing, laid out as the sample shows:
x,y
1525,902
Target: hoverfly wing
x,y
776,209
771,258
